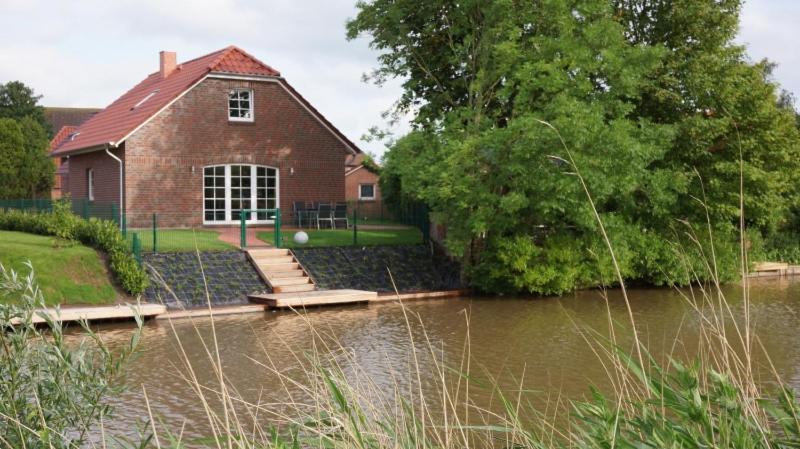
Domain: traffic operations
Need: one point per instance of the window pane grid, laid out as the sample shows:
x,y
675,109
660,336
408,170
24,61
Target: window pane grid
x,y
242,187
240,106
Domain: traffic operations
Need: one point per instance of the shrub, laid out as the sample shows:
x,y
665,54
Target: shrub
x,y
100,234
53,391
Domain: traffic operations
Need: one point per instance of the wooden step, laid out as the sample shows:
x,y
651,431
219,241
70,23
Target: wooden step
x,y
297,280
268,252
272,259
281,266
285,275
313,298
293,288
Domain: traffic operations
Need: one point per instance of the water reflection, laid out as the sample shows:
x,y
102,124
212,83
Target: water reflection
x,y
541,338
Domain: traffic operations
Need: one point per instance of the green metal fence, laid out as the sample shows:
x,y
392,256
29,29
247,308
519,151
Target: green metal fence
x,y
261,214
367,222
81,207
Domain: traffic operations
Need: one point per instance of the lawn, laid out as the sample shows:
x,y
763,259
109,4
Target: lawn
x,y
72,274
180,240
344,237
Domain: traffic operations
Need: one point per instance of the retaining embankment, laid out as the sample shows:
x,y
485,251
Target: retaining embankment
x,y
179,280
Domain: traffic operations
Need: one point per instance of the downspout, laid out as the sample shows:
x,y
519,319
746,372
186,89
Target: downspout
x,y
121,204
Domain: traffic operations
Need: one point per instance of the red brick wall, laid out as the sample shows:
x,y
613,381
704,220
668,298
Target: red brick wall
x,y
360,176
106,175
195,132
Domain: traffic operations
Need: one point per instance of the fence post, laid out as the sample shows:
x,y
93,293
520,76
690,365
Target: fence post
x,y
243,229
114,216
355,226
136,248
278,236
155,233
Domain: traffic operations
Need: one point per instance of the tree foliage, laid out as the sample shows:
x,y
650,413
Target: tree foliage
x,y
26,170
25,163
647,101
18,101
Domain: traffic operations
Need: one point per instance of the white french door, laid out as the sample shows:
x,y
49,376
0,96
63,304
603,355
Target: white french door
x,y
229,189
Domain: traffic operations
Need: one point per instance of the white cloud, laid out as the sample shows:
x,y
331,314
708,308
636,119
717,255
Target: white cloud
x,y
769,30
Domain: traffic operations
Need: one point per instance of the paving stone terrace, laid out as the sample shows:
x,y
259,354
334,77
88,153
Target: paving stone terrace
x,y
229,275
365,268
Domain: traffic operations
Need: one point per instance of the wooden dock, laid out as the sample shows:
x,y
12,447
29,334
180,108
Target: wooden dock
x,y
773,269
97,313
313,298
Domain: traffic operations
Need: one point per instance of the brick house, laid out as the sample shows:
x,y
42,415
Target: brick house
x,y
198,142
360,180
63,122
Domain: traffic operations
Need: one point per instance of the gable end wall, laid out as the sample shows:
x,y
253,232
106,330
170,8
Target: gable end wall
x,y
165,158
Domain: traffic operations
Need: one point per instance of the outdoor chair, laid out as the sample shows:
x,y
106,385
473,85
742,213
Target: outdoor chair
x,y
325,214
340,214
311,213
299,209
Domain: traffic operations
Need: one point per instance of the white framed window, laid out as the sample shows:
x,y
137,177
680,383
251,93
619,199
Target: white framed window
x,y
366,191
90,183
240,105
229,189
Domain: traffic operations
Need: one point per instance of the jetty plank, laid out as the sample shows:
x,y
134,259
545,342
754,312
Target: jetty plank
x,y
313,298
94,313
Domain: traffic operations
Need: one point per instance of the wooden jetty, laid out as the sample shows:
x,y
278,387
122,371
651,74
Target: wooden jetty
x,y
313,298
773,269
97,313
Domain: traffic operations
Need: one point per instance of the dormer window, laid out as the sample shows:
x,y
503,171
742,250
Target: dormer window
x,y
240,105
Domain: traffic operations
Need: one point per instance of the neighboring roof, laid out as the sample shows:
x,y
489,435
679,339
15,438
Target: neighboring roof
x,y
355,162
116,122
61,135
61,117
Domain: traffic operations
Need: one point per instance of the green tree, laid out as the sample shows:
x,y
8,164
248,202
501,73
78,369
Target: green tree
x,y
18,100
12,155
37,171
723,108
642,98
26,170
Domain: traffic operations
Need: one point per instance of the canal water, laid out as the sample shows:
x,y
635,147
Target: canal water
x,y
538,344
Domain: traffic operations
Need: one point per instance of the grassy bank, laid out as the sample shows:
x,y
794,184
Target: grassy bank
x,y
344,237
180,240
73,274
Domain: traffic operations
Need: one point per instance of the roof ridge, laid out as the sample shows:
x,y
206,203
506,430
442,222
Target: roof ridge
x,y
223,53
233,48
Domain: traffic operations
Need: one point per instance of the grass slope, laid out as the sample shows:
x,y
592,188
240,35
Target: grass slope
x,y
67,275
344,237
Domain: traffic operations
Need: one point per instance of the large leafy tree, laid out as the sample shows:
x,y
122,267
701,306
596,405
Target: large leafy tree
x,y
26,159
18,100
494,87
725,110
26,170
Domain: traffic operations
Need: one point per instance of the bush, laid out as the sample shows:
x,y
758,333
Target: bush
x,y
103,235
53,391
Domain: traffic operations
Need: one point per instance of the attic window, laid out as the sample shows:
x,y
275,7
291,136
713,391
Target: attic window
x,y
240,105
149,96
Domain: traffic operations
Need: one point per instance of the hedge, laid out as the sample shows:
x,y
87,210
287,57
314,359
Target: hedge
x,y
103,235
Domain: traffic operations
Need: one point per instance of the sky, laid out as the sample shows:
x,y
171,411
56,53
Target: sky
x,y
86,53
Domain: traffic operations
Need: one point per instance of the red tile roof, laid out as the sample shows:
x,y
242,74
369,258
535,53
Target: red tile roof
x,y
114,123
62,134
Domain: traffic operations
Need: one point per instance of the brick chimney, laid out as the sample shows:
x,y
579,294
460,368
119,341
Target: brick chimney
x,y
168,62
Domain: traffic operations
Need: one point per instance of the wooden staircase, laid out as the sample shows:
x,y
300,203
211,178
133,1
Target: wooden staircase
x,y
280,270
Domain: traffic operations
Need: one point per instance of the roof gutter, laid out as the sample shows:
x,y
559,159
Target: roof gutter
x,y
121,197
